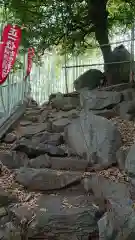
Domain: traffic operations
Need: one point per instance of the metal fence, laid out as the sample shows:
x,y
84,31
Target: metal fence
x,y
14,90
78,65
13,93
55,75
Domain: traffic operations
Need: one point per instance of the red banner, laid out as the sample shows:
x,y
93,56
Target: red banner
x,y
31,54
1,47
11,38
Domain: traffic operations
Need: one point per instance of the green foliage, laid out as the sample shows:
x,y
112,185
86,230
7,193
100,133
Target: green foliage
x,y
121,13
67,24
17,66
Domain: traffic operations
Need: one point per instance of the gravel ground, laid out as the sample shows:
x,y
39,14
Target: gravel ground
x,y
127,130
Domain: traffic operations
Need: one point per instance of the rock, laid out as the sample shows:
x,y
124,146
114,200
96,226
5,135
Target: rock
x,y
119,87
46,179
4,220
13,160
73,115
61,114
120,72
57,101
128,94
68,107
29,131
43,161
65,217
119,221
52,150
105,228
98,100
33,111
117,203
106,113
3,212
59,125
35,149
127,229
94,134
104,188
33,119
19,214
71,152
5,198
55,95
72,164
90,79
44,115
10,138
130,162
130,107
2,234
57,163
121,157
28,147
25,123
11,232
70,94
1,166
50,138
126,110
65,103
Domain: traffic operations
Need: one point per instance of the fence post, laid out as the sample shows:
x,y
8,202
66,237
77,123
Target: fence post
x,y
132,55
66,79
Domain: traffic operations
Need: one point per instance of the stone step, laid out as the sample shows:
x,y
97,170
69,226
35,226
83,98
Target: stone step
x,y
63,217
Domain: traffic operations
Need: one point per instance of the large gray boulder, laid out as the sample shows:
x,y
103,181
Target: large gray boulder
x,y
104,188
119,217
120,71
68,103
46,179
90,79
65,217
126,110
94,134
98,100
111,227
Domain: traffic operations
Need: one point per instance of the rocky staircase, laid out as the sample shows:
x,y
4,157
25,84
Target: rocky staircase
x,y
55,204
48,190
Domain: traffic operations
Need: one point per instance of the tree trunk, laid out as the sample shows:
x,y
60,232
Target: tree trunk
x,y
99,16
101,35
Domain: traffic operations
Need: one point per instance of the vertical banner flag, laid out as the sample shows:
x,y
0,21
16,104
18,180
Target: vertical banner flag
x,y
1,46
31,54
11,38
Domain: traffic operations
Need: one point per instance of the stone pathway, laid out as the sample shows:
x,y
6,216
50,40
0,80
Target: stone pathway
x,y
46,189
